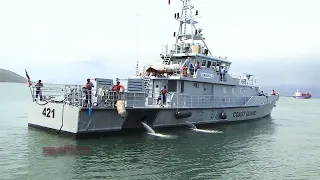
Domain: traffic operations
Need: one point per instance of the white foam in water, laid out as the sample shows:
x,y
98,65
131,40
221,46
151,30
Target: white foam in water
x,y
149,129
206,131
153,133
194,128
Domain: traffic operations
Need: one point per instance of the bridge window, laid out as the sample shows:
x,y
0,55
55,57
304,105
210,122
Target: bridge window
x,y
226,67
172,85
204,63
225,90
182,86
233,91
213,65
218,67
209,64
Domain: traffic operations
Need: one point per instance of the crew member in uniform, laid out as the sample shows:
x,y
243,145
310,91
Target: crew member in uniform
x,y
117,89
89,86
38,86
163,93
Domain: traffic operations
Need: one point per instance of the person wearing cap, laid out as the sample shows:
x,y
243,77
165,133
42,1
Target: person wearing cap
x,y
89,86
38,86
163,93
118,87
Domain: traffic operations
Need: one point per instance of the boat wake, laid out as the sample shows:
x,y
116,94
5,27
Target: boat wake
x,y
153,133
194,128
206,131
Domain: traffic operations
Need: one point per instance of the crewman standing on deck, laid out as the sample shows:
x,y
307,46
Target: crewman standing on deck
x,y
117,89
38,86
222,73
163,93
89,86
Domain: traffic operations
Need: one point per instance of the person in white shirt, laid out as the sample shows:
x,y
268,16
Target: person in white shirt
x,y
222,73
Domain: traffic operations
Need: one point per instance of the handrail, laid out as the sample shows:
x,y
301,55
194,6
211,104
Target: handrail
x,y
104,98
248,100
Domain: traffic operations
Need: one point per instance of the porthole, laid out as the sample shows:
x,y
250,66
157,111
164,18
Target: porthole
x,y
225,90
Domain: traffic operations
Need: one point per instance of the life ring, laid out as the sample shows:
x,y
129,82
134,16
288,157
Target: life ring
x,y
67,89
100,92
84,90
184,71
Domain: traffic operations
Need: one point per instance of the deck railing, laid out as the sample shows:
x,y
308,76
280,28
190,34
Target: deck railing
x,y
105,98
187,100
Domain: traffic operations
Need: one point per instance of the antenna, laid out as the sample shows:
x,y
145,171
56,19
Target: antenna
x,y
137,65
188,18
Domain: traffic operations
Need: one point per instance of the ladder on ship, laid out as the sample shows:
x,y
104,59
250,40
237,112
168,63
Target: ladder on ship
x,y
148,86
167,58
146,81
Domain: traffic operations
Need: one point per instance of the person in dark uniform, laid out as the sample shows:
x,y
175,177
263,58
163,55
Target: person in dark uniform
x,y
38,86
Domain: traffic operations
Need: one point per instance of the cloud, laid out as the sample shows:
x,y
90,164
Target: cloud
x,y
54,39
300,70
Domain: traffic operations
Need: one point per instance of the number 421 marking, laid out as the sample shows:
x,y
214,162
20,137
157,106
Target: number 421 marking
x,y
47,111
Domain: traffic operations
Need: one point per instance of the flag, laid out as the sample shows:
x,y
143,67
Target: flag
x,y
28,78
169,2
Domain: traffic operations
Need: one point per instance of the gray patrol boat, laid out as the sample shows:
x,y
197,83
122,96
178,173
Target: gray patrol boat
x,y
200,91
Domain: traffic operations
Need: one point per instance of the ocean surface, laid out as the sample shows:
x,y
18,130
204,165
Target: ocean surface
x,y
283,146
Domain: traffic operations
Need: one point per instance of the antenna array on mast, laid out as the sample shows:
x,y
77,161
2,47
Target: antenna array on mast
x,y
188,38
187,18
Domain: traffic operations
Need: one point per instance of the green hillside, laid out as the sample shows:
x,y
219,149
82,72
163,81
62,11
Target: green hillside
x,y
9,76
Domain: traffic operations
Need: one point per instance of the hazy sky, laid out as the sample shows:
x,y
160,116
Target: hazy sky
x,y
61,41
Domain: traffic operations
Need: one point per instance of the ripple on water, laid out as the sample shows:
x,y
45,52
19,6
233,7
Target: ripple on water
x,y
284,147
14,151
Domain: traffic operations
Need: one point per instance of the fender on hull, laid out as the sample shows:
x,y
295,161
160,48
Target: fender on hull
x,y
183,114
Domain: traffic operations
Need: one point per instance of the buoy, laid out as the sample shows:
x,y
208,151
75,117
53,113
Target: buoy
x,y
223,115
121,108
184,71
100,92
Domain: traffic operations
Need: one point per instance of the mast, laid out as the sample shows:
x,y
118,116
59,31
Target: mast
x,y
187,18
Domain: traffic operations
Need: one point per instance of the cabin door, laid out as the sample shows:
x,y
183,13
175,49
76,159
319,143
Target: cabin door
x,y
207,89
157,85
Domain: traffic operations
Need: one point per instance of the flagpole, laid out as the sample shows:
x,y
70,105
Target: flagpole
x,y
31,93
30,84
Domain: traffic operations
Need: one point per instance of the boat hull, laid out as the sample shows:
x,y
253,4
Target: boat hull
x,y
76,121
302,97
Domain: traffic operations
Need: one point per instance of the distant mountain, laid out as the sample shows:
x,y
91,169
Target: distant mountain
x,y
9,76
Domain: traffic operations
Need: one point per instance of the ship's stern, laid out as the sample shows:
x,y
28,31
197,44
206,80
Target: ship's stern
x,y
53,116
